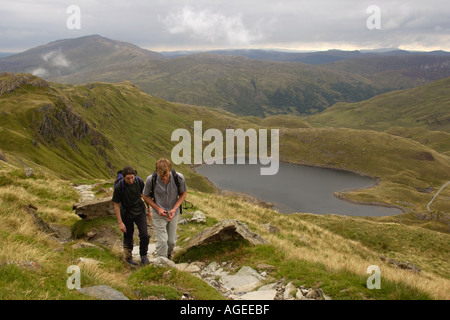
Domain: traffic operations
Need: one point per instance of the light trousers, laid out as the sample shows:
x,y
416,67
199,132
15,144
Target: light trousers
x,y
166,233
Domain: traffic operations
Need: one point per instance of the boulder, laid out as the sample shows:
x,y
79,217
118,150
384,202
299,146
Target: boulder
x,y
92,209
240,283
259,295
249,271
198,217
162,262
103,293
225,230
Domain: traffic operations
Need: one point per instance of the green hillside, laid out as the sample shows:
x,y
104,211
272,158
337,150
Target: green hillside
x,y
331,252
405,70
241,85
406,113
84,133
91,131
237,84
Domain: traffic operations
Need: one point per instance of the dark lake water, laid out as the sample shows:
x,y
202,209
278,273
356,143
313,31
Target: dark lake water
x,y
296,188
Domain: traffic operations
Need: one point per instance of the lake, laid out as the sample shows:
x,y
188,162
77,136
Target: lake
x,y
296,188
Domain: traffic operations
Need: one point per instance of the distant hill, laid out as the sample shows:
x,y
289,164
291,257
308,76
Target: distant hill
x,y
313,58
403,70
70,56
238,84
421,113
92,130
426,106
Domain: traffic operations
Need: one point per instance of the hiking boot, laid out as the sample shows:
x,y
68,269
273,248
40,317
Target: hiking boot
x,y
131,261
129,257
144,260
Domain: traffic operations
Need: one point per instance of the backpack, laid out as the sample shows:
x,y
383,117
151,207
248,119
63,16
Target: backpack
x,y
177,182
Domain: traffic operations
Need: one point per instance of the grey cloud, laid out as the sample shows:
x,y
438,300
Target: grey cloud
x,y
192,24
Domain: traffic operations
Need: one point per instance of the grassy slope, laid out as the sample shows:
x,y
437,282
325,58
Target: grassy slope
x,y
237,84
345,252
406,113
331,252
425,106
136,126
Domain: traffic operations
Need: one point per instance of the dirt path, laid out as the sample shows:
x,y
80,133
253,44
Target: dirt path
x,y
434,197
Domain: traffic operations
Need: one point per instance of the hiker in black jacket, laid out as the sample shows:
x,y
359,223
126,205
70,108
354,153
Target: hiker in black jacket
x,y
130,209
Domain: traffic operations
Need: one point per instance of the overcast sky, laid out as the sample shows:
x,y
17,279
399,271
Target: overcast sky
x,y
164,25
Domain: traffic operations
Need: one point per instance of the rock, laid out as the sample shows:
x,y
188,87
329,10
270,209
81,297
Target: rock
x,y
313,294
271,228
11,81
198,217
41,224
270,286
103,292
83,244
225,230
162,262
63,233
29,172
248,271
192,268
89,210
3,157
288,290
240,283
182,266
85,192
299,295
266,267
214,269
405,265
259,295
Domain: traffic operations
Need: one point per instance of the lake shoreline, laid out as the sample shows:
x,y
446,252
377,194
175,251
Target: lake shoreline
x,y
338,194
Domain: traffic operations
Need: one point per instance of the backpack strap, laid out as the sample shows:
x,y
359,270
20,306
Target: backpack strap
x,y
177,182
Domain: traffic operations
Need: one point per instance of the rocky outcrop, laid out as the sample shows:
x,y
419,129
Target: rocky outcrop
x,y
225,230
63,122
10,81
248,283
405,265
59,233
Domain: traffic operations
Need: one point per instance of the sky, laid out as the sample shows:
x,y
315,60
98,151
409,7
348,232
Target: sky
x,y
169,25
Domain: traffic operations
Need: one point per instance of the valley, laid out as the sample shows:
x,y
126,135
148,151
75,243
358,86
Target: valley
x,y
84,120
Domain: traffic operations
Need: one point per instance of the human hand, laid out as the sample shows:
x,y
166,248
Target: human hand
x,y
171,214
162,212
122,227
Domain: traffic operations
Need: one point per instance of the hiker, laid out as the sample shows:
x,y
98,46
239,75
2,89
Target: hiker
x,y
165,190
130,209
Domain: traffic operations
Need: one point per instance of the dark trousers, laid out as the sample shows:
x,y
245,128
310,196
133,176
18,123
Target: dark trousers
x,y
141,223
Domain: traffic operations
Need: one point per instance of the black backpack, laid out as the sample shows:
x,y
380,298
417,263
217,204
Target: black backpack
x,y
177,182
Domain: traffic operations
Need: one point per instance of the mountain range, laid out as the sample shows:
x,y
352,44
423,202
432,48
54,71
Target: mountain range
x,y
83,133
238,84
